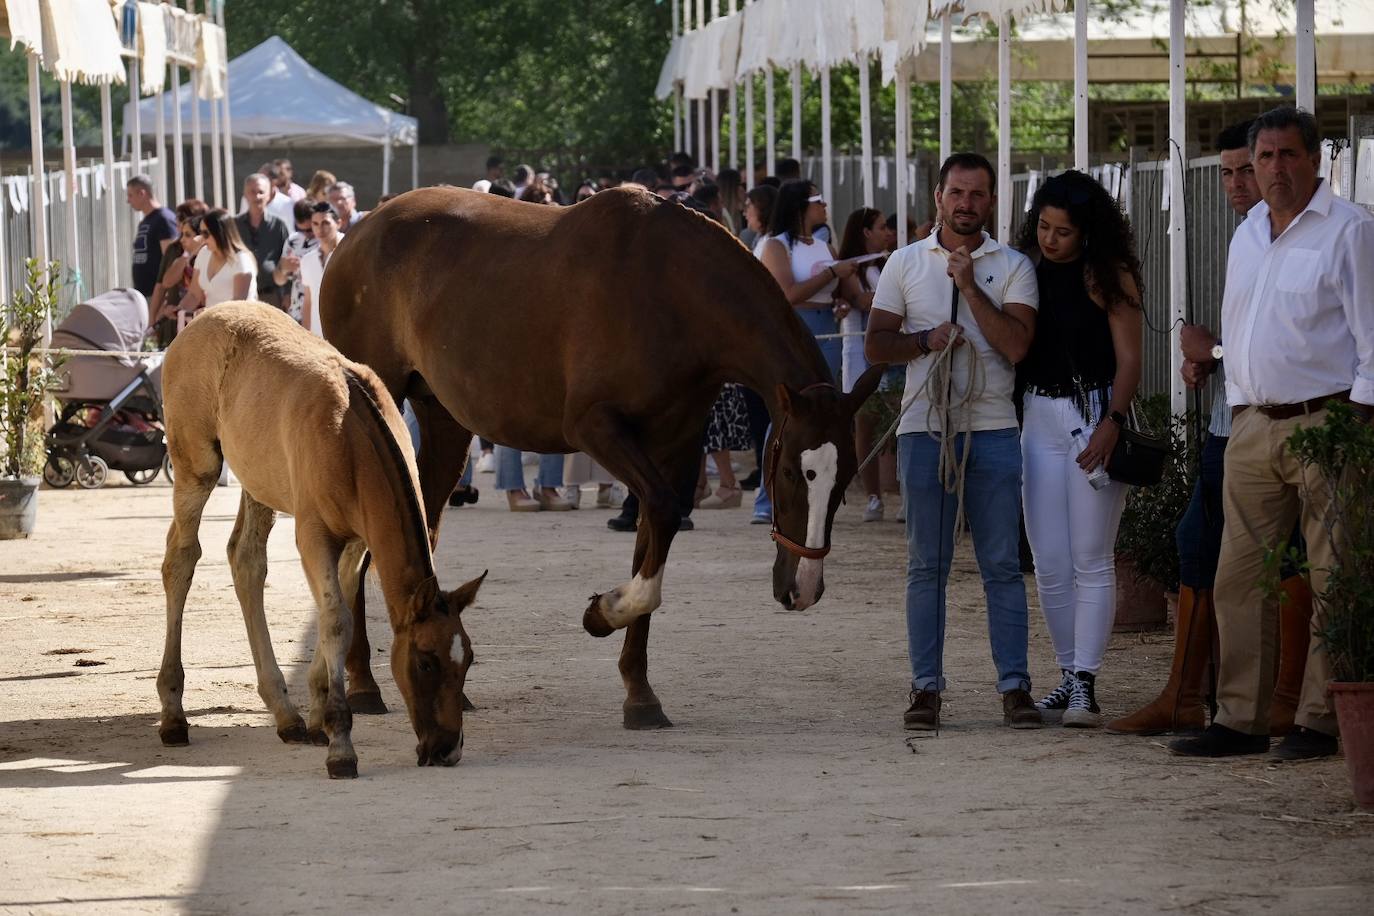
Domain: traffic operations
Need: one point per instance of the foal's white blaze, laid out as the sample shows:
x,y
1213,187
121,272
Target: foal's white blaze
x,y
638,597
819,467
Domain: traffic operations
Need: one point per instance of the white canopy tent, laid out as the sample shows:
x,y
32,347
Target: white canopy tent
x,y
278,98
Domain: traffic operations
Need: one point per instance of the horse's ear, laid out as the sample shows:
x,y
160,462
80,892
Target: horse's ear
x,y
423,599
786,397
865,386
465,594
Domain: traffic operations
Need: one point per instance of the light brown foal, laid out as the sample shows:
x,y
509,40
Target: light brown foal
x,y
312,434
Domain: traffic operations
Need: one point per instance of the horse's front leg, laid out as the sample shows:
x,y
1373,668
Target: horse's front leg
x,y
364,696
320,557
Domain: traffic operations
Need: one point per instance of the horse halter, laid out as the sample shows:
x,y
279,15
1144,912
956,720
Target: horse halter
x,y
774,456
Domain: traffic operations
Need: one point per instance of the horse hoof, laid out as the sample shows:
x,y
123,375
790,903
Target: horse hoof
x,y
342,769
645,718
294,733
317,737
467,704
594,622
175,735
367,704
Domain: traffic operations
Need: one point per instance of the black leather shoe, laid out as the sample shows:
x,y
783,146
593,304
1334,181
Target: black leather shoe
x,y
751,482
463,496
1220,741
622,523
1305,744
686,524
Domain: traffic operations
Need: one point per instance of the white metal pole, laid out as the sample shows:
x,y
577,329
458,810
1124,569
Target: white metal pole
x,y
865,130
135,118
73,263
734,110
748,132
230,192
1004,128
1307,56
673,23
827,166
1080,84
111,213
715,131
687,143
770,128
903,142
415,164
197,163
946,86
216,156
160,150
178,150
38,199
1178,238
386,161
796,112
701,105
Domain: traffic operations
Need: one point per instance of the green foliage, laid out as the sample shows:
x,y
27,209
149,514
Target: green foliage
x,y
1152,514
26,377
1341,450
884,406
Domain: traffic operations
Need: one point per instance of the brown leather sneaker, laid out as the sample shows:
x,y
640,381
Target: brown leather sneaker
x,y
1019,710
924,712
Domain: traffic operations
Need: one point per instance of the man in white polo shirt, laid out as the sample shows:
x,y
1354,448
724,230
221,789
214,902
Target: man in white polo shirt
x,y
915,317
1297,319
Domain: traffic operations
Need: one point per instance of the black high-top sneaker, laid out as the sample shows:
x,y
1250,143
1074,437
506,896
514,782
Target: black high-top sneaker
x,y
1083,711
1052,706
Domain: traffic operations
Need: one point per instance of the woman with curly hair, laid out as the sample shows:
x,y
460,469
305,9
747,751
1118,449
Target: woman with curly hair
x,y
1079,377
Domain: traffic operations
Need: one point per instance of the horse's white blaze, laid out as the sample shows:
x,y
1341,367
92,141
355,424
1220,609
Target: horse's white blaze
x,y
819,467
808,582
634,599
455,651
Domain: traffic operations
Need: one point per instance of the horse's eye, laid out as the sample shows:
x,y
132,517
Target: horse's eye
x,y
810,475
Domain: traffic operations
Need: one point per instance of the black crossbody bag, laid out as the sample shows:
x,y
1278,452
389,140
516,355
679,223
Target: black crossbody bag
x,y
1138,458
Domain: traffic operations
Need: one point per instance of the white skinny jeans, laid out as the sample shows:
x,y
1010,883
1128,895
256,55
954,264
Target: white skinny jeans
x,y
1072,532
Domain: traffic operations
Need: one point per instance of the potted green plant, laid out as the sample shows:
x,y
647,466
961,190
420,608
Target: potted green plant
x,y
1146,551
24,380
1341,450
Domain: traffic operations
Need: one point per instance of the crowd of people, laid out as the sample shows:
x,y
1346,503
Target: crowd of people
x,y
1044,335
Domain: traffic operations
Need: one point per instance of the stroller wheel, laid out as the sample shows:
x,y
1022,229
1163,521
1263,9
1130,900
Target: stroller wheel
x,y
59,472
167,466
91,473
142,478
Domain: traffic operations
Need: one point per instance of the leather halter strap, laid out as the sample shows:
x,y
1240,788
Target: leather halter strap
x,y
774,456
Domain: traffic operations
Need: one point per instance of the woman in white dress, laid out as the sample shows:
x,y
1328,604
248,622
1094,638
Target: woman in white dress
x,y
225,270
325,222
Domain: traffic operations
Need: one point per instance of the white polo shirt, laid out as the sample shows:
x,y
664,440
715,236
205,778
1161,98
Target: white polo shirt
x,y
915,286
1297,316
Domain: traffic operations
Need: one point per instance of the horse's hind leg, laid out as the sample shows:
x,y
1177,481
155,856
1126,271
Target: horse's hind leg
x,y
195,481
248,564
364,696
329,703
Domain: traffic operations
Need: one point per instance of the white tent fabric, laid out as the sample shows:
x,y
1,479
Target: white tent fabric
x,y
278,98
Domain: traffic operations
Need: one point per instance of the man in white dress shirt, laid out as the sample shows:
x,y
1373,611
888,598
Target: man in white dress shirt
x,y
1298,324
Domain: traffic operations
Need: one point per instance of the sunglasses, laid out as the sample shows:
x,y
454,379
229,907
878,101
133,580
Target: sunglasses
x,y
816,199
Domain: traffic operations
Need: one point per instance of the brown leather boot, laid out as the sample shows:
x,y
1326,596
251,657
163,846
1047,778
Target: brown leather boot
x,y
1295,630
1179,707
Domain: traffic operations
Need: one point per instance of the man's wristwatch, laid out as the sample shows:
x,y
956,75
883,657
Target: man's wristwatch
x,y
1216,351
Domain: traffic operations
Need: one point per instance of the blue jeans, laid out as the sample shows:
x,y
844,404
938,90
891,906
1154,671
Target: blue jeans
x,y
822,321
763,504
1199,531
992,504
510,474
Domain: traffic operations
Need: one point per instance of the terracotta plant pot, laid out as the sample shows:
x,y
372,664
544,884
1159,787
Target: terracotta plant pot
x,y
18,507
1139,602
1355,716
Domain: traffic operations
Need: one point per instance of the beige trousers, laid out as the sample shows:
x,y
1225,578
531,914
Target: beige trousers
x,y
1264,493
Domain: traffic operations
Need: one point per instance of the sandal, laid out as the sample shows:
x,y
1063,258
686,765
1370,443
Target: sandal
x,y
520,501
723,498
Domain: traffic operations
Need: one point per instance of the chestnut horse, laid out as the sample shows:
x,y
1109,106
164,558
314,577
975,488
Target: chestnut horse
x,y
607,328
307,432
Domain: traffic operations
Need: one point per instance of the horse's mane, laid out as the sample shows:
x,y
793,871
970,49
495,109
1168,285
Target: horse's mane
x,y
706,227
365,384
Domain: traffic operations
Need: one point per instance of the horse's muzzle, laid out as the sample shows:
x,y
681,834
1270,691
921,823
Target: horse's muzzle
x,y
444,751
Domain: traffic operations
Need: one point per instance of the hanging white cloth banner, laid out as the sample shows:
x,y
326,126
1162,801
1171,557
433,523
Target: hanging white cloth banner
x,y
213,62
25,24
152,40
81,42
882,173
19,195
1032,185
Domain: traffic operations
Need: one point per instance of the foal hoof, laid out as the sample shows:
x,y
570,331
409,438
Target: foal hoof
x,y
367,703
176,735
317,737
467,704
594,622
645,718
342,769
294,733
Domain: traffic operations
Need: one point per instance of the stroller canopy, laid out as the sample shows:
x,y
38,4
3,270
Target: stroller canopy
x,y
115,321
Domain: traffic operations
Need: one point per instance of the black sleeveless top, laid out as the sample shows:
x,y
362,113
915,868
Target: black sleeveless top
x,y
1072,350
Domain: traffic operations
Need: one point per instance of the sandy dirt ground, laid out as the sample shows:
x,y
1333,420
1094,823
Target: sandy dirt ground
x,y
787,785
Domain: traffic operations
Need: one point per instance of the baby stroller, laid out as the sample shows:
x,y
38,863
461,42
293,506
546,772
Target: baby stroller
x,y
111,415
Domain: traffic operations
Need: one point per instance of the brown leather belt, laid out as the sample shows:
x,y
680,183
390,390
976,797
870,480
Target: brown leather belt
x,y
1288,411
